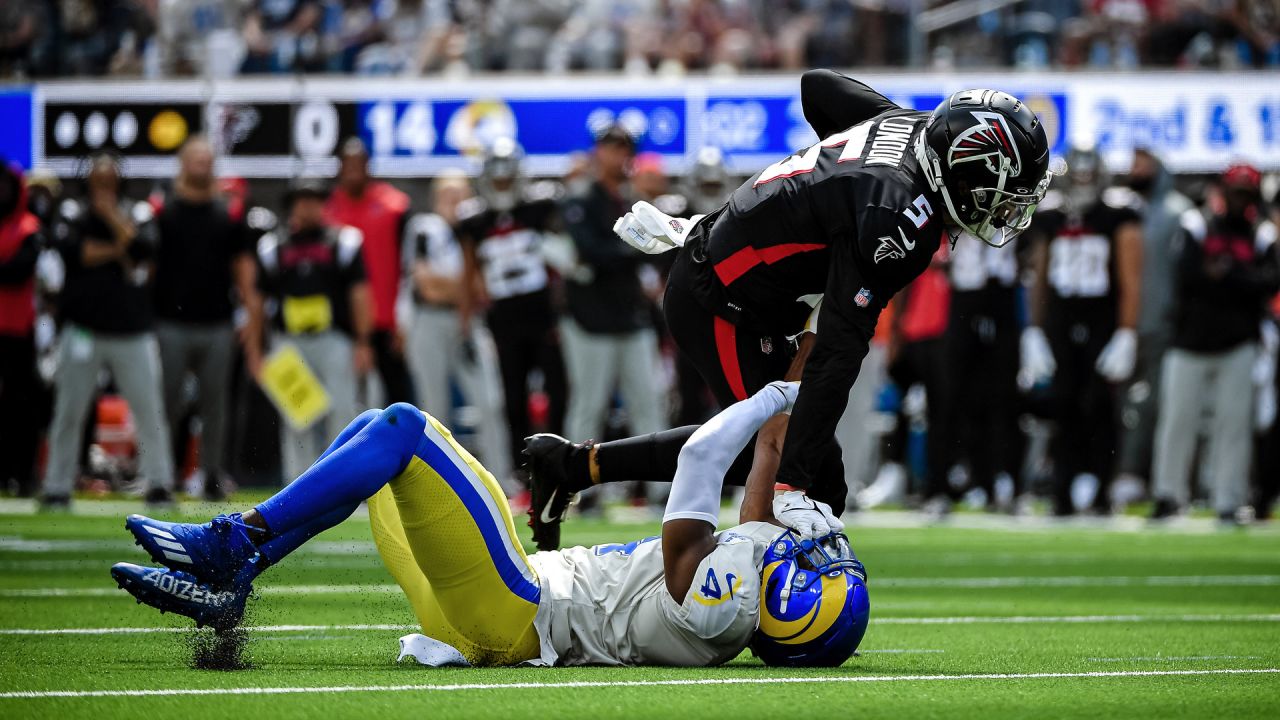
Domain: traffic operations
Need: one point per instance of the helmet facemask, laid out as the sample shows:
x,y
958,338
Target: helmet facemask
x,y
995,215
830,553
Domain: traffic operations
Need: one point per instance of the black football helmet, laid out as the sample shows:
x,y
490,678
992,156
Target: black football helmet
x,y
988,156
1086,178
708,180
501,180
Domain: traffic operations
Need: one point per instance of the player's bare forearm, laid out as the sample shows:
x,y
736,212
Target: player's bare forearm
x,y
803,347
471,286
441,289
1129,260
245,273
684,544
757,502
361,312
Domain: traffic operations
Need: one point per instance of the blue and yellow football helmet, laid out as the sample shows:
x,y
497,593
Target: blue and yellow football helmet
x,y
814,605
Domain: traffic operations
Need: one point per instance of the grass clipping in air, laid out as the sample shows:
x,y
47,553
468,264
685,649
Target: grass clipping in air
x,y
219,649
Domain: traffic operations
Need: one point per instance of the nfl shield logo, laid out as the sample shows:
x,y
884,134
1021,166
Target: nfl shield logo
x,y
863,298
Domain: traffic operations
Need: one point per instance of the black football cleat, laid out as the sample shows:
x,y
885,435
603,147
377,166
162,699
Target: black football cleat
x,y
547,457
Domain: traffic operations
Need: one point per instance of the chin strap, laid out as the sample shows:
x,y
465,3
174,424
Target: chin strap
x,y
932,168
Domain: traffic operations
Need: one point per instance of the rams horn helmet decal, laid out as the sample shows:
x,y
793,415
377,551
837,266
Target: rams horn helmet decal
x,y
814,605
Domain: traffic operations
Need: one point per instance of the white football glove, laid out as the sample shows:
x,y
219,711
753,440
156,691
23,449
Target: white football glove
x,y
809,518
1118,356
651,231
1038,364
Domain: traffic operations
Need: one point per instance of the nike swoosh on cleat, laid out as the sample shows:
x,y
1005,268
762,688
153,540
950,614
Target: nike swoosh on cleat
x,y
546,510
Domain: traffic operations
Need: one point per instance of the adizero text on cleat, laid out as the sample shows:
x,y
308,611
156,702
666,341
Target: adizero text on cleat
x,y
181,593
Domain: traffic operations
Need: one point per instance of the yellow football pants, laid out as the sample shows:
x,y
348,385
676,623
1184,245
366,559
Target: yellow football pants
x,y
444,531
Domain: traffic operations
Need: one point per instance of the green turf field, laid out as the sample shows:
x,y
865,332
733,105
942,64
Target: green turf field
x,y
1022,622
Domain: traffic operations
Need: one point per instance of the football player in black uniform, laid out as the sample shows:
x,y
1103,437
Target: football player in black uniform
x,y
502,233
981,346
826,236
1084,308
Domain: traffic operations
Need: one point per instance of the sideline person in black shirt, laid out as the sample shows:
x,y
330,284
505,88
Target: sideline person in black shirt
x,y
1227,272
203,263
312,279
107,243
609,337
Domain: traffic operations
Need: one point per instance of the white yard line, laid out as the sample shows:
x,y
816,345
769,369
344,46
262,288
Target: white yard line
x,y
1035,619
900,651
971,620
1083,581
17,544
150,630
909,583
174,692
1175,658
265,590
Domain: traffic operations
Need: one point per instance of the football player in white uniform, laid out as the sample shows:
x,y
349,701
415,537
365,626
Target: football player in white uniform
x,y
692,597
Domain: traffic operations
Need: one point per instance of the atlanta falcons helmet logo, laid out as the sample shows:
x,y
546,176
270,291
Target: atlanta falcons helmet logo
x,y
989,141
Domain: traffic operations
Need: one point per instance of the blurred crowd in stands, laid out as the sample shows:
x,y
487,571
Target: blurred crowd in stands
x,y
1125,349
219,38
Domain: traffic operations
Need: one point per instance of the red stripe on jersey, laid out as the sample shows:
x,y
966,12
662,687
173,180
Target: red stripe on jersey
x,y
741,262
727,349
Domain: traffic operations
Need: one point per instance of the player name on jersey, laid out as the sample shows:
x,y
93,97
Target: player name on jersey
x,y
890,141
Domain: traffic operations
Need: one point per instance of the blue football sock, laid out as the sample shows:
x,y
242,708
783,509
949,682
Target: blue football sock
x,y
275,549
334,487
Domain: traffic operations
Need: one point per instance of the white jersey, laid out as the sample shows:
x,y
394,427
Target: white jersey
x,y
609,604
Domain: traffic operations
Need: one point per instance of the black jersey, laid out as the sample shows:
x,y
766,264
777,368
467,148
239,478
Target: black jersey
x,y
1227,272
850,219
508,250
850,213
309,277
112,297
1081,248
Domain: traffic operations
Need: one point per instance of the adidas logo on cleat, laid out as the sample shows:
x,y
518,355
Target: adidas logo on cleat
x,y
169,545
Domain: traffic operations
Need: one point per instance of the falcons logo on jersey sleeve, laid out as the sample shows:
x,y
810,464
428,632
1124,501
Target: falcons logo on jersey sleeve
x,y
891,248
989,141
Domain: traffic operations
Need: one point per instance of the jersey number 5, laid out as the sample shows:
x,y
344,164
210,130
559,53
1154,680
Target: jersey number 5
x,y
919,211
852,139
